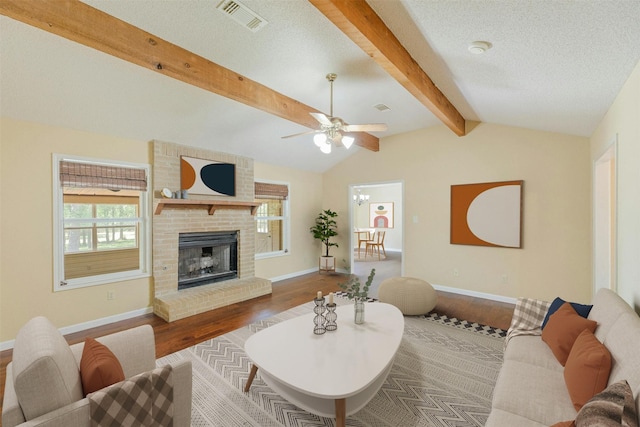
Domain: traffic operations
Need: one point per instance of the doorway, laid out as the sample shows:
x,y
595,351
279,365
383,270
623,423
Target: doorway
x,y
377,209
604,220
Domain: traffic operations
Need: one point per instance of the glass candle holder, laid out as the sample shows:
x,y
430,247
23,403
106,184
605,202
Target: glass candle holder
x,y
319,319
332,317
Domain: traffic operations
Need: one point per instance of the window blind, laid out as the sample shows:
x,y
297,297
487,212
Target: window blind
x,y
265,190
88,175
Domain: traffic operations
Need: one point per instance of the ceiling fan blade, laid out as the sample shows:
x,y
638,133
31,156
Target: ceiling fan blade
x,y
322,119
372,127
300,134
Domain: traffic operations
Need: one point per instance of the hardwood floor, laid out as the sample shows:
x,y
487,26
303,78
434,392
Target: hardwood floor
x,y
174,336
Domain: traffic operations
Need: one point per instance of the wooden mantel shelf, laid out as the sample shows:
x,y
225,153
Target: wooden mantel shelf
x,y
211,205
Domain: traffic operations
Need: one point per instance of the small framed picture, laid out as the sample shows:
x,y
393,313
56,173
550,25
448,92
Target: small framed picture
x,y
381,215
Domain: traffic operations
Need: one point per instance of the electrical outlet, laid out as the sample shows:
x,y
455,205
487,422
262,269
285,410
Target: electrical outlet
x,y
456,272
111,295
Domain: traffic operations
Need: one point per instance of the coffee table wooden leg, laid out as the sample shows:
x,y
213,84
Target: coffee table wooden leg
x,y
341,410
252,375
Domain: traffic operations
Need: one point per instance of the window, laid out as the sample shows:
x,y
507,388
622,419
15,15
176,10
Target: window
x,y
272,219
101,222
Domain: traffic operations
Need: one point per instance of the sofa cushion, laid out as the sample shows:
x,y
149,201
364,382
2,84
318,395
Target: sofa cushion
x,y
531,392
587,370
582,309
532,350
612,407
563,328
45,373
99,367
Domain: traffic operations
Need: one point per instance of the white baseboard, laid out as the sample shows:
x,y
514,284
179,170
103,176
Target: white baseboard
x,y
7,345
484,295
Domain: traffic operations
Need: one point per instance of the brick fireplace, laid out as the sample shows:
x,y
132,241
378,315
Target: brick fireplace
x,y
171,220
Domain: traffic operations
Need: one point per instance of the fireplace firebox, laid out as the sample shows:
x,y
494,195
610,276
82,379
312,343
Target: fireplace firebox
x,y
207,257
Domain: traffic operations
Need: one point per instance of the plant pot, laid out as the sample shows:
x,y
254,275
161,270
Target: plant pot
x,y
358,312
327,263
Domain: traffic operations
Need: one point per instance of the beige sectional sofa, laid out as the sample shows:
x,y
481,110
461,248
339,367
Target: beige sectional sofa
x,y
43,384
531,389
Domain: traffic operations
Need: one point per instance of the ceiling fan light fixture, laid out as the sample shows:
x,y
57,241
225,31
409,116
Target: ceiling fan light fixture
x,y
320,139
347,141
326,147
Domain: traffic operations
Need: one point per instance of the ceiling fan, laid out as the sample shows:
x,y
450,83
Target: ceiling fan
x,y
332,128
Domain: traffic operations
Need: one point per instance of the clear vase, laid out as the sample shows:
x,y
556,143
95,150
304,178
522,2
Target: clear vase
x,y
358,311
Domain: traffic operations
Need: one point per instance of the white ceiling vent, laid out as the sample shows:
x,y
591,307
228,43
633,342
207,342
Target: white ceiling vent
x,y
242,14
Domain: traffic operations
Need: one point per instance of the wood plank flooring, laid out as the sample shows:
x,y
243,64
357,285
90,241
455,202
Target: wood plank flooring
x,y
174,336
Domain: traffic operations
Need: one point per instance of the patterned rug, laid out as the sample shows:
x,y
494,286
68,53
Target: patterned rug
x,y
443,375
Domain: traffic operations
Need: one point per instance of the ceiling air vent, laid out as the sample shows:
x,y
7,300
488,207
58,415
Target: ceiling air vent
x,y
242,15
381,107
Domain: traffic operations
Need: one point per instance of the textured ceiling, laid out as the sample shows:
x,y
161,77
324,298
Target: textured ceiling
x,y
554,65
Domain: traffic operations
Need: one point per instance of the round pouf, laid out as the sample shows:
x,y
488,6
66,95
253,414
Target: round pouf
x,y
412,296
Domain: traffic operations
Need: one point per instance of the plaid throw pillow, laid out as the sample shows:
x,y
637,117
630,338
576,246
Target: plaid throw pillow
x,y
527,318
162,396
145,400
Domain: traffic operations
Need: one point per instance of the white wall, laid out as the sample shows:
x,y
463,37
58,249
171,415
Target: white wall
x,y
623,121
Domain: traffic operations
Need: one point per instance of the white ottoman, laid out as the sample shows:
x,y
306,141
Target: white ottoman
x,y
412,296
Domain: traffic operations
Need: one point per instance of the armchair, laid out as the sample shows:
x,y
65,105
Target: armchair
x,y
43,384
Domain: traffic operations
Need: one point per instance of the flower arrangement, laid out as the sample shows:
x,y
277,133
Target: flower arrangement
x,y
354,289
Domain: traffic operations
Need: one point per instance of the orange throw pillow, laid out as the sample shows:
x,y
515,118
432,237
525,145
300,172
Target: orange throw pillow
x,y
99,367
563,328
587,370
565,424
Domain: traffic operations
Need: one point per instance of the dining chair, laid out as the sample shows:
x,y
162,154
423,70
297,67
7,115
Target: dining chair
x,y
364,236
378,243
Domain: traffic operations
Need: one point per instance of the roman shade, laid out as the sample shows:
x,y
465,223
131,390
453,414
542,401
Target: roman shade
x,y
265,190
91,175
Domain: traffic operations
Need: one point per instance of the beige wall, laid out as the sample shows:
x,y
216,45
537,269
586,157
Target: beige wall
x,y
623,120
556,258
305,189
26,264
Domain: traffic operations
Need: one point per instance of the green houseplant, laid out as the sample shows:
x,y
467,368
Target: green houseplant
x,y
355,291
323,230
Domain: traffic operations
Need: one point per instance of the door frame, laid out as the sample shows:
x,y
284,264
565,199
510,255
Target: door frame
x,y
352,192
605,224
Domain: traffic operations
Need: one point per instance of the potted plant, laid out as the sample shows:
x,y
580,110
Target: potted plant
x,y
324,230
354,290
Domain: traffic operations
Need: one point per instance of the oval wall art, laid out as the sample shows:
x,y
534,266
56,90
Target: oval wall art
x,y
207,177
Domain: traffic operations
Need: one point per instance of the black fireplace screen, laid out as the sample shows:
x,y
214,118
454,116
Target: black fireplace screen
x,y
207,257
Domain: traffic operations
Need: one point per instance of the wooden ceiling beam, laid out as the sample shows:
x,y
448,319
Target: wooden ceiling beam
x,y
91,27
361,24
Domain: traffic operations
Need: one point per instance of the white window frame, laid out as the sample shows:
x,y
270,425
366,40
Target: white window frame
x,y
286,223
59,282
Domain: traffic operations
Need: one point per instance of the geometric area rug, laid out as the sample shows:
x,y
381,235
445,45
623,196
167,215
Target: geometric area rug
x,y
443,376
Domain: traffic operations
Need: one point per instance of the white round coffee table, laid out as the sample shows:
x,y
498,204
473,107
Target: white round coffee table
x,y
334,374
